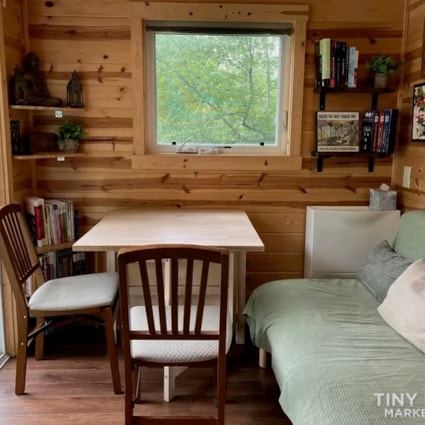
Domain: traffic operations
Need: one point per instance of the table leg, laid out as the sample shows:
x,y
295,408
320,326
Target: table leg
x,y
111,261
239,282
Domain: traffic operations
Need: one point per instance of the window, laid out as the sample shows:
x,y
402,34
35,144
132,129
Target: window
x,y
212,75
218,89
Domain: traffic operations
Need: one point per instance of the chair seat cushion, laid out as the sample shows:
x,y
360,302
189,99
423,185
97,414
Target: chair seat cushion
x,y
75,292
174,351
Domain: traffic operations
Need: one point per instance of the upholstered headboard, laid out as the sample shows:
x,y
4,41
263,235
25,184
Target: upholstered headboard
x,y
410,238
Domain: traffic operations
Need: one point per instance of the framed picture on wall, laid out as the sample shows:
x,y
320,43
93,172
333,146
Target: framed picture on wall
x,y
337,132
418,114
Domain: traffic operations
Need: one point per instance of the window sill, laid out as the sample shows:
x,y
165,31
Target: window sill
x,y
190,162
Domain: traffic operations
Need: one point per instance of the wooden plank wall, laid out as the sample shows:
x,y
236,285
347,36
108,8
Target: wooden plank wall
x,y
94,39
410,153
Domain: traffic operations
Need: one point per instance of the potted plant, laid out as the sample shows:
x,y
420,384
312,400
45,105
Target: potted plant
x,y
70,135
382,67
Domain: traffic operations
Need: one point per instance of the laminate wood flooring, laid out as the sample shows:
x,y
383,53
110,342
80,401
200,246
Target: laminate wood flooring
x,y
73,386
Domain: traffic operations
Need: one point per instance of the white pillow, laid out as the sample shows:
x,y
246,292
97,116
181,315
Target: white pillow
x,y
404,306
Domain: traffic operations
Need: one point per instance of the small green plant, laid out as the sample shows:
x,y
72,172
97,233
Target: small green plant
x,y
382,65
70,130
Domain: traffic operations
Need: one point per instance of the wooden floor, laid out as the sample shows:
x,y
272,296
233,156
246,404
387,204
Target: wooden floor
x,y
70,387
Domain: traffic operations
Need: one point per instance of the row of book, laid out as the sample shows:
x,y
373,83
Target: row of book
x,y
62,263
51,221
336,64
378,131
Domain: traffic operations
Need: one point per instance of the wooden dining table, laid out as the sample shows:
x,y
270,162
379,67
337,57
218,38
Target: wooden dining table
x,y
132,227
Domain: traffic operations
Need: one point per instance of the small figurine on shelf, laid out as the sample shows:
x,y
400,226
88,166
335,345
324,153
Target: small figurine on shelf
x,y
74,91
36,88
18,88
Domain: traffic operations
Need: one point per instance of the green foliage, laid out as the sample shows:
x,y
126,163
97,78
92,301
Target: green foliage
x,y
382,65
70,130
217,89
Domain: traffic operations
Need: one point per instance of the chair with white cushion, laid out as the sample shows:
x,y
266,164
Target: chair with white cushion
x,y
91,295
178,325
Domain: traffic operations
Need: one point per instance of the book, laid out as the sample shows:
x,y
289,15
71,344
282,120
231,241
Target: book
x,y
318,61
36,219
352,67
337,132
375,130
367,132
334,47
325,55
390,129
379,135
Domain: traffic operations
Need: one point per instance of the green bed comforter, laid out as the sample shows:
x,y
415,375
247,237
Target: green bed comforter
x,y
335,360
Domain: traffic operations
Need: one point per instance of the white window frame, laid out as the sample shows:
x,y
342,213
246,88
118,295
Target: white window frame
x,y
143,12
283,101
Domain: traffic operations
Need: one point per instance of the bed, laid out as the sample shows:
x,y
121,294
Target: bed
x,y
336,358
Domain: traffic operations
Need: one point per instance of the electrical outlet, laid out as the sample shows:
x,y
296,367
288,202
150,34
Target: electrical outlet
x,y
406,176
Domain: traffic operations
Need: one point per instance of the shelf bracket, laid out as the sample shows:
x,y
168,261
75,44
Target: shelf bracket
x,y
322,100
371,164
374,101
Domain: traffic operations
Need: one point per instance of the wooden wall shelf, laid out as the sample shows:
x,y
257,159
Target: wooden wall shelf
x,y
57,247
60,156
323,91
369,156
44,108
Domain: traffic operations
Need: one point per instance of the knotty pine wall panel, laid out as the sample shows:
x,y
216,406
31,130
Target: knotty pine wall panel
x,y
94,38
408,153
14,48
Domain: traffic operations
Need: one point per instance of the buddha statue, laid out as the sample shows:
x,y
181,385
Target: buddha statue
x,y
37,92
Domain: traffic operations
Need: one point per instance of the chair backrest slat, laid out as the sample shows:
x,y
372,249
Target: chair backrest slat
x,y
174,279
188,295
176,301
202,295
18,252
147,296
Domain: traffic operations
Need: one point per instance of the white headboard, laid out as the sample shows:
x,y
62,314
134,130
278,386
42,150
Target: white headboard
x,y
338,239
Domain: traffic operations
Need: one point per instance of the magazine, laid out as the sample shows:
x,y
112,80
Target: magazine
x,y
337,132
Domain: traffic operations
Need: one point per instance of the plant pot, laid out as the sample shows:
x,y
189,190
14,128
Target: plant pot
x,y
381,81
68,145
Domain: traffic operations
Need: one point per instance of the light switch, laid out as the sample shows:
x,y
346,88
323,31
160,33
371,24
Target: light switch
x,y
406,176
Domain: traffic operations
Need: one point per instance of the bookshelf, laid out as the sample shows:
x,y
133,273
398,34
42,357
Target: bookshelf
x,y
323,91
58,112
53,224
368,157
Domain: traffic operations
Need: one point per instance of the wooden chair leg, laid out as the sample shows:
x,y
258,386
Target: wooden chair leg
x,y
221,391
39,340
112,350
21,356
132,374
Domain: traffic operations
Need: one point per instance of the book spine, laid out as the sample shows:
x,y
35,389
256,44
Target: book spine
x,y
318,61
332,80
381,118
351,66
393,130
325,53
375,130
343,54
35,208
367,132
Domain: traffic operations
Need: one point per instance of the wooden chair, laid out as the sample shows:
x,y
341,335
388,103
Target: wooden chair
x,y
176,326
93,295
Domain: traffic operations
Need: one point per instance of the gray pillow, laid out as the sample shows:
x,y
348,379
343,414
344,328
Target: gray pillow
x,y
383,266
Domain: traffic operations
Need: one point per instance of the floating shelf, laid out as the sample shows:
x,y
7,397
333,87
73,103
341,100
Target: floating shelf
x,y
60,156
44,108
369,156
323,91
56,247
